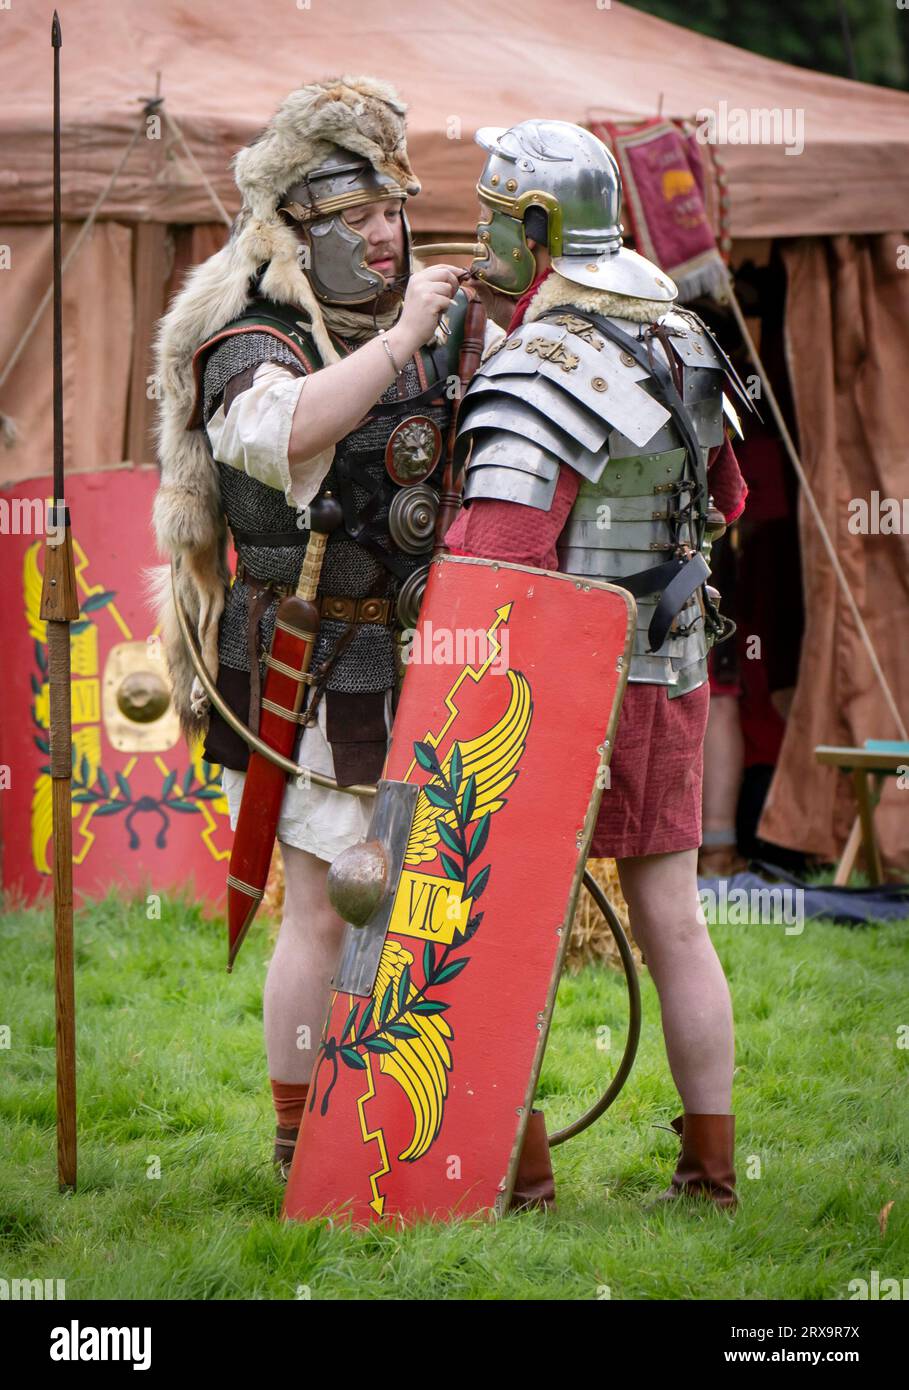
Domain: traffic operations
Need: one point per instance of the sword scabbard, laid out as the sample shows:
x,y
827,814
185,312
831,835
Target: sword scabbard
x,y
286,679
296,629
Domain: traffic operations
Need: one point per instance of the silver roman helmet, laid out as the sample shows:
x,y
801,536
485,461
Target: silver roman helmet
x,y
565,172
337,268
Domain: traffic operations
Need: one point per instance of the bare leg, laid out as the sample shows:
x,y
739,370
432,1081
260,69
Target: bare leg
x,y
661,892
299,975
724,754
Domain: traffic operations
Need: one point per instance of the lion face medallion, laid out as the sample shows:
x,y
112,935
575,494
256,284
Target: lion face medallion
x,y
414,448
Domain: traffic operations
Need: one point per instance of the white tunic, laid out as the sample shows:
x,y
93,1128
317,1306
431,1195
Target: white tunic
x,y
254,438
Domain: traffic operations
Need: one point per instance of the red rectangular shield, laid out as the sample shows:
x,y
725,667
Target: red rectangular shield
x,y
147,810
425,1079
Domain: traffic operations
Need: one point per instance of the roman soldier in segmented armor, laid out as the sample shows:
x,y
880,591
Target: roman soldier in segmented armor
x,y
634,405
594,438
299,288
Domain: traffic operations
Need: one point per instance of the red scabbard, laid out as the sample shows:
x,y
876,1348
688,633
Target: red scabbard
x,y
296,627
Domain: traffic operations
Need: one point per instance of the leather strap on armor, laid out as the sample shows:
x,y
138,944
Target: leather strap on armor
x,y
691,573
259,598
244,577
321,675
691,570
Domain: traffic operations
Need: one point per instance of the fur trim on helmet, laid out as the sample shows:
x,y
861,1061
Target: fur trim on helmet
x,y
360,114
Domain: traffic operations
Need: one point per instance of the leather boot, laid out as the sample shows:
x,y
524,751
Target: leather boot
x,y
534,1185
706,1162
285,1143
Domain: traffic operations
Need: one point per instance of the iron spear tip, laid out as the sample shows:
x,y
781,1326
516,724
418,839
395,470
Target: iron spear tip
x,y
56,36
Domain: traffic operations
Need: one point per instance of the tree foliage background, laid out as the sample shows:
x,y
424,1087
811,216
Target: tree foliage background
x,y
864,39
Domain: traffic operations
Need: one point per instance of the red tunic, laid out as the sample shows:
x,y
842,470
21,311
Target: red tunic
x,y
653,802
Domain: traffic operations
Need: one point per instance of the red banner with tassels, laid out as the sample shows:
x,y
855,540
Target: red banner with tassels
x,y
666,198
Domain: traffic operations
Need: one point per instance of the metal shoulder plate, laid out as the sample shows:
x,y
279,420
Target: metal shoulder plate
x,y
697,339
702,373
552,392
701,360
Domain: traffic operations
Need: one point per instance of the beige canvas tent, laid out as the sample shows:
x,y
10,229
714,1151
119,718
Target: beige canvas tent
x,y
163,94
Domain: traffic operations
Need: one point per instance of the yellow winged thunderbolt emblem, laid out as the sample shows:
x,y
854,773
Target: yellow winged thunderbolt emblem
x,y
492,758
420,1063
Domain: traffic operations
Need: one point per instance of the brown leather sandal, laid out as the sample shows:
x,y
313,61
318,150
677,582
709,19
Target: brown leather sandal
x,y
720,861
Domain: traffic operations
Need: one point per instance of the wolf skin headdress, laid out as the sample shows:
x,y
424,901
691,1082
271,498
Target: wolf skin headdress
x,y
359,114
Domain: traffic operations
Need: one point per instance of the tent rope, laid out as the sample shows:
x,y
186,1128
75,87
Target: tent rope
x,y
178,135
149,104
816,513
73,251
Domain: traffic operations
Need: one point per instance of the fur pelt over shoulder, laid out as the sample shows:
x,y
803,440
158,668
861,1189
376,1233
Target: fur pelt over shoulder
x,y
555,289
360,114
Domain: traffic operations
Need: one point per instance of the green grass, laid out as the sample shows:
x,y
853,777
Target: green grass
x,y
172,1068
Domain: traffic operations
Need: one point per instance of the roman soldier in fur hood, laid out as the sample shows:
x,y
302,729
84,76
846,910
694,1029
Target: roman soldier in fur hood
x,y
329,147
292,366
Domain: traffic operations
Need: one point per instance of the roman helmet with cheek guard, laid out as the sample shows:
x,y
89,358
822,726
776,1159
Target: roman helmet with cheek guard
x,y
337,269
566,173
329,146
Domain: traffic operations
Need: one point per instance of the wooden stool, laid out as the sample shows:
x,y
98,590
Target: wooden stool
x,y
879,758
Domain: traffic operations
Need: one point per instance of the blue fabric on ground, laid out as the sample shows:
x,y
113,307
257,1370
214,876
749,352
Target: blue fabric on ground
x,y
887,902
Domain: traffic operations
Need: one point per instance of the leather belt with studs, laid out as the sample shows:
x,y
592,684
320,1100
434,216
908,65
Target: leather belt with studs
x,y
335,606
278,589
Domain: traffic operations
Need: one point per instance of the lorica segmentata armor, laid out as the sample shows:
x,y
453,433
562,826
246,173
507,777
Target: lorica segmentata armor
x,y
635,410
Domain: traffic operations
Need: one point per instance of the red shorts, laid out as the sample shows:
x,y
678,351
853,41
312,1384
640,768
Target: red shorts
x,y
652,804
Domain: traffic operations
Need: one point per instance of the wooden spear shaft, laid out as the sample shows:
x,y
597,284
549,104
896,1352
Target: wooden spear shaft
x,y
60,607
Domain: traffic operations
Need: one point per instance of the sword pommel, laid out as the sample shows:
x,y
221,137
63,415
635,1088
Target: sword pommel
x,y
325,514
